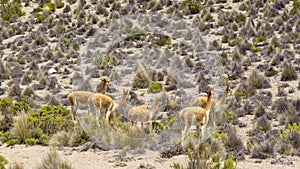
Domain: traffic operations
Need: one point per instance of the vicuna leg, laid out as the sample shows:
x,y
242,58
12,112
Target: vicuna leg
x,y
184,131
107,115
198,132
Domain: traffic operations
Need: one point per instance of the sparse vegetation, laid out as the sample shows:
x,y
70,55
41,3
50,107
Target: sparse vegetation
x,y
259,47
288,72
194,6
290,140
10,9
155,87
257,81
53,160
3,162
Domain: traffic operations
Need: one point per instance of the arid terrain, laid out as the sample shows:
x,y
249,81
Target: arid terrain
x,y
173,50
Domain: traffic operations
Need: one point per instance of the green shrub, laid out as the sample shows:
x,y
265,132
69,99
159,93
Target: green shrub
x,y
8,10
194,6
3,162
289,139
40,17
155,87
48,121
296,4
240,17
8,106
60,5
230,163
259,39
31,141
49,7
256,49
137,34
21,61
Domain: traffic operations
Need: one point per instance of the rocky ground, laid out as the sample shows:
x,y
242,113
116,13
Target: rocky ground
x,y
253,46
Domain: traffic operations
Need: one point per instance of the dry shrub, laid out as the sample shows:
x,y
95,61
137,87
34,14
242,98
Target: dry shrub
x,y
141,80
288,72
53,160
21,128
263,150
263,124
257,80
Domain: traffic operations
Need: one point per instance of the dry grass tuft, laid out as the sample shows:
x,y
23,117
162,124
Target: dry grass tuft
x,y
53,160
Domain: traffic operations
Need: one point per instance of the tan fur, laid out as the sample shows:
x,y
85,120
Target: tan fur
x,y
119,105
103,104
142,114
202,101
83,98
105,82
76,98
196,116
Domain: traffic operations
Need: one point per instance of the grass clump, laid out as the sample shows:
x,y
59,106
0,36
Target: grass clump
x,y
257,81
202,158
263,150
4,71
193,6
290,140
49,7
256,49
21,129
138,34
263,124
53,160
3,162
155,87
244,91
257,40
161,40
141,80
8,10
240,17
288,72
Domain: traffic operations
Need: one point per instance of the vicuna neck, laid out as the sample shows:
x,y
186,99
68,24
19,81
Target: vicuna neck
x,y
222,99
104,86
208,105
122,101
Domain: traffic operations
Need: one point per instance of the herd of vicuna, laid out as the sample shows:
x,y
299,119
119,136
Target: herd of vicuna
x,y
198,115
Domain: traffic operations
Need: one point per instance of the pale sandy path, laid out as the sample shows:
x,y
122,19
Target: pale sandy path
x,y
31,157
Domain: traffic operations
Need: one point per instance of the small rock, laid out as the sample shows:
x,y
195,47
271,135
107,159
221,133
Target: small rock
x,y
52,71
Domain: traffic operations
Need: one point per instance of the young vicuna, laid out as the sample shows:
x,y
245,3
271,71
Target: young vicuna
x,y
82,97
142,114
202,102
196,116
103,104
120,107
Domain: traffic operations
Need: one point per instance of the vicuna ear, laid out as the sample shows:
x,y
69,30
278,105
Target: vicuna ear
x,y
126,91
